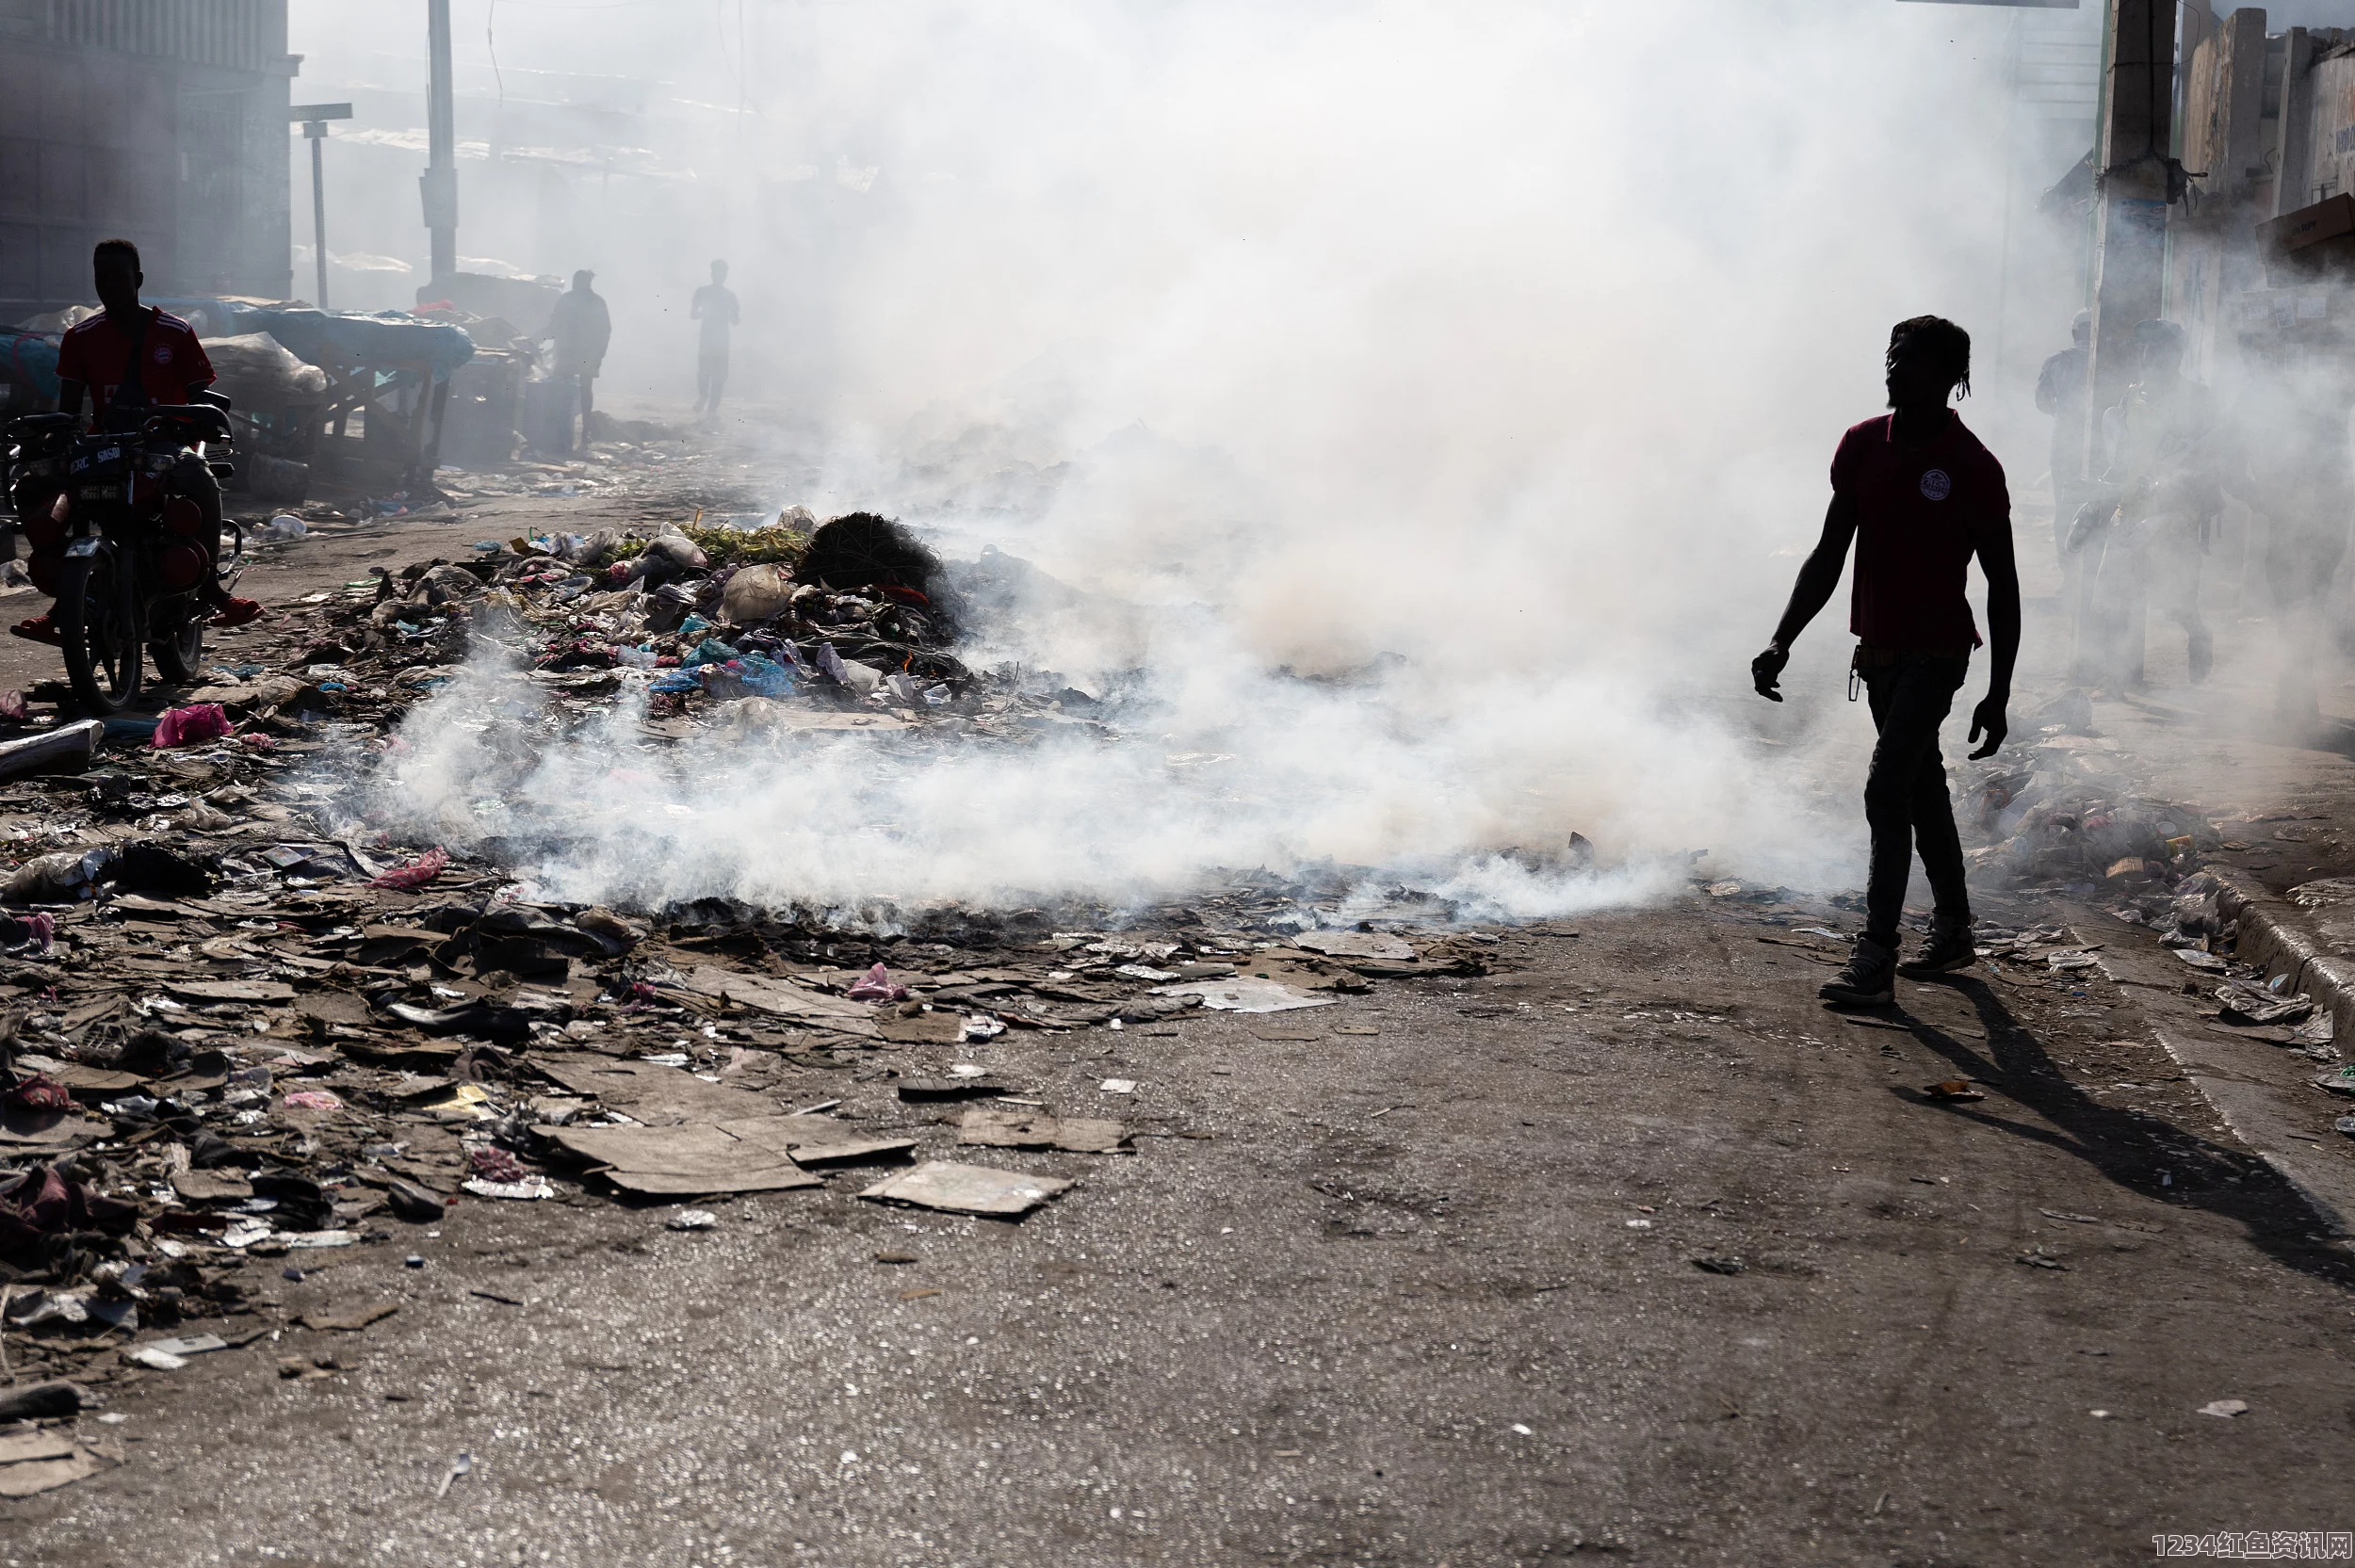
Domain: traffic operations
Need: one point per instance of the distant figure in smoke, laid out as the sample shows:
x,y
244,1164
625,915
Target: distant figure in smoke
x,y
2296,469
1919,496
2062,388
715,307
580,327
2144,536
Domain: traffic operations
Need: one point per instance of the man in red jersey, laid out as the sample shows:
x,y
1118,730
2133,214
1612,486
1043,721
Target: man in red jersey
x,y
128,359
1919,496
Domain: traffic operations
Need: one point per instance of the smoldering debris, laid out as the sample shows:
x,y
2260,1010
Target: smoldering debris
x,y
243,1021
651,719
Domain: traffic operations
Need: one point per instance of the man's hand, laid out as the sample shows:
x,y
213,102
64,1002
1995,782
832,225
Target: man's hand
x,y
1767,670
1988,717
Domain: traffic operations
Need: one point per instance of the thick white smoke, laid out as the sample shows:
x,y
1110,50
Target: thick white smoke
x,y
1513,340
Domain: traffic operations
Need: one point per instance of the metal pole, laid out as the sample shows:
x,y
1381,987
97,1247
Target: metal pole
x,y
315,131
441,174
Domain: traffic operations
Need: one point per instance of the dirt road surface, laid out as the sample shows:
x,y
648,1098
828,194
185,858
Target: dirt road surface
x,y
1626,1252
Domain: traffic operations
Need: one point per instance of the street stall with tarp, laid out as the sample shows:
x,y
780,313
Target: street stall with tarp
x,y
296,373
391,368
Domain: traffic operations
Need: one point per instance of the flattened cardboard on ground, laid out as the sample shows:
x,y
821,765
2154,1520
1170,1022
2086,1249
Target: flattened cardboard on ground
x,y
967,1190
816,1009
211,1186
656,1095
682,1161
1004,1127
34,1462
1245,994
91,1085
231,991
1367,945
816,1139
48,1133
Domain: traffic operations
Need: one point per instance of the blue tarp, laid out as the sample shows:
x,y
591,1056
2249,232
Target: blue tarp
x,y
389,340
29,357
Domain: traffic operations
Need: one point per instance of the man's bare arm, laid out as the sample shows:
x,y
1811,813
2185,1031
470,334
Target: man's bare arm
x,y
69,396
2003,630
1819,578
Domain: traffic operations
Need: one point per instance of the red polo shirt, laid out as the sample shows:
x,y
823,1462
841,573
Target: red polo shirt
x,y
1922,513
97,353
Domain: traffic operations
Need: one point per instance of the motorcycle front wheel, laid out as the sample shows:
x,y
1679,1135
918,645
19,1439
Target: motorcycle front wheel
x,y
180,654
102,640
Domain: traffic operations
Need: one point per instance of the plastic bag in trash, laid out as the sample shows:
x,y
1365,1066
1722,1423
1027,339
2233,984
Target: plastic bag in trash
x,y
192,726
756,592
284,526
876,986
60,877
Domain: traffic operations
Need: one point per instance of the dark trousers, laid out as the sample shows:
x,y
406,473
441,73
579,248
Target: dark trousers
x,y
711,379
1905,794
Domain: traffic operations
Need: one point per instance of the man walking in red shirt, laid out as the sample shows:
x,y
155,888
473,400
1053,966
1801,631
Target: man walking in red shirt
x,y
129,358
1919,496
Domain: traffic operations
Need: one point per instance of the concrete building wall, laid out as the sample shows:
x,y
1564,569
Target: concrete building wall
x,y
2330,91
161,120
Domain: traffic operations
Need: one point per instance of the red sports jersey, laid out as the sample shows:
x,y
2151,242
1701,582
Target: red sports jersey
x,y
1922,513
97,353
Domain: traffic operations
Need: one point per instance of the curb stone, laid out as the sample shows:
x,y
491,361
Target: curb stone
x,y
2275,935
2247,1081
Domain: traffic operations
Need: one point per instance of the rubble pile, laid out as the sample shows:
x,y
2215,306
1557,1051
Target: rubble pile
x,y
2076,818
241,1024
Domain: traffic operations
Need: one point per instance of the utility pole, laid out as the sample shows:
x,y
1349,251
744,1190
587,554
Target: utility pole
x,y
439,184
2136,180
315,118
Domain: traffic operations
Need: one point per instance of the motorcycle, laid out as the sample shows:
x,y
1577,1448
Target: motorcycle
x,y
133,558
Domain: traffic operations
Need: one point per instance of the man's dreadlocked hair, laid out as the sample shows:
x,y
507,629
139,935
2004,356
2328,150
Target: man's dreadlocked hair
x,y
1940,343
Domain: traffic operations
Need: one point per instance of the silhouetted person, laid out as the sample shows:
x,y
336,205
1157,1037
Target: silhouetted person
x,y
2062,388
128,359
2164,439
715,307
1919,496
580,327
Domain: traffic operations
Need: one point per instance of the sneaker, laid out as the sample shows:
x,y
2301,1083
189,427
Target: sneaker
x,y
1868,979
42,628
237,612
1948,948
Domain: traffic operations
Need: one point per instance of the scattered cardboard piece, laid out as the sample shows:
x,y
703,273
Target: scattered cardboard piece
x,y
1366,945
817,1008
42,1461
231,991
1245,994
211,1186
682,1161
48,1132
967,1190
1005,1128
816,1139
653,1094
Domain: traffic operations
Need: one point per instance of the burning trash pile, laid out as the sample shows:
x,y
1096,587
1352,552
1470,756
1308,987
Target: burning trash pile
x,y
237,1023
2075,819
